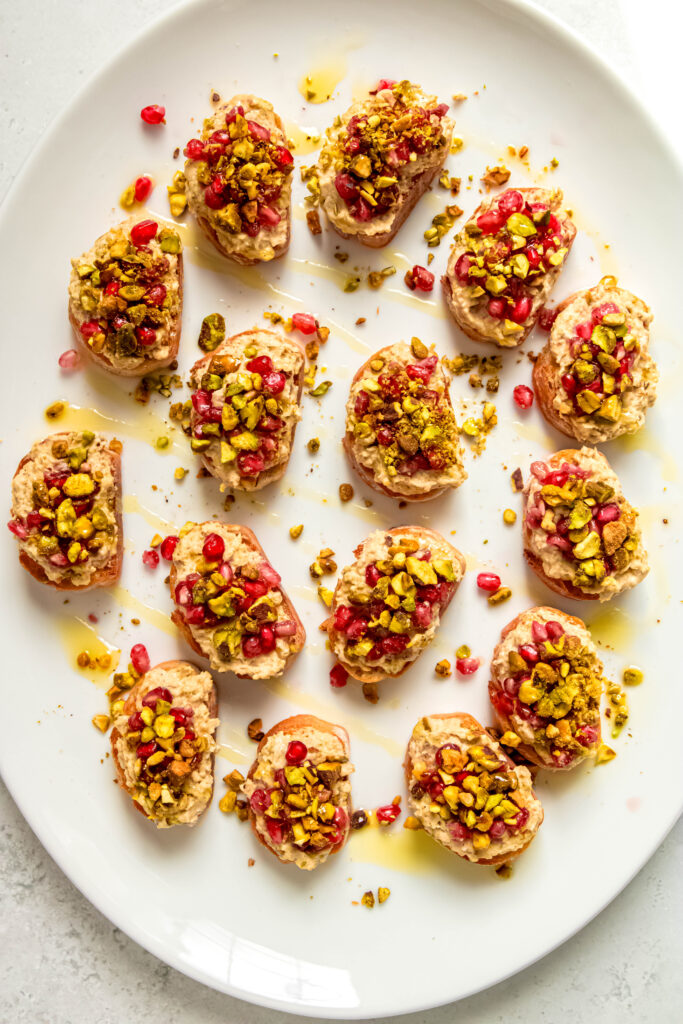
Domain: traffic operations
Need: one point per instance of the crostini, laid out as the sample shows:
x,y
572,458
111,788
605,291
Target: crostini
x,y
239,181
388,604
466,792
379,158
580,534
163,743
299,790
401,435
126,297
229,604
595,379
545,688
505,262
246,403
66,511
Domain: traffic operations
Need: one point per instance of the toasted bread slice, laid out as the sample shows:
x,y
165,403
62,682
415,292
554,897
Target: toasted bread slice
x,y
80,547
466,741
507,230
244,226
431,599
393,457
258,645
265,425
528,700
572,360
619,560
320,743
188,779
129,327
379,159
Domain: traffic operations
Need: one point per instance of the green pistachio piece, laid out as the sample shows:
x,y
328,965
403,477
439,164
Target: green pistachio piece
x,y
444,568
199,444
361,648
604,338
496,284
520,224
169,242
585,371
556,259
608,362
580,515
520,265
227,641
588,401
422,572
212,332
321,389
245,442
229,417
589,547
84,270
65,518
80,485
222,605
610,409
400,623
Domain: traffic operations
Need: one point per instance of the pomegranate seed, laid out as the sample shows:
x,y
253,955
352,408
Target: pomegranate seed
x,y
269,575
384,83
259,801
467,666
529,653
144,232
496,308
608,513
503,703
267,639
546,318
296,752
268,217
258,131
158,693
156,295
18,529
167,547
498,829
459,831
135,722
140,658
283,157
59,559
372,575
213,548
490,221
510,201
394,645
195,615
539,632
388,813
275,831
274,383
523,396
286,627
251,647
342,617
420,278
422,616
462,268
522,818
587,735
555,630
488,581
599,312
521,309
143,187
338,676
215,200
304,322
356,629
347,188
112,288
584,330
146,750
150,558
153,114
539,470
146,336
69,360
361,210
90,328
362,403
260,365
194,150
385,436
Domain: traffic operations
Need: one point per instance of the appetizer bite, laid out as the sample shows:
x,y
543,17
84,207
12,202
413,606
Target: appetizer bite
x,y
580,534
66,511
379,158
126,297
229,605
246,403
466,792
545,687
238,180
505,262
401,435
388,604
163,743
595,379
299,790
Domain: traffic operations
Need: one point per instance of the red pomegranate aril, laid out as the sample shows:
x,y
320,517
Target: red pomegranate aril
x,y
372,575
539,632
214,198
251,647
269,575
213,547
140,658
260,364
267,639
498,829
112,288
34,519
195,615
304,322
258,131
347,188
135,722
145,750
467,666
285,627
569,384
385,436
255,588
156,295
296,752
422,616
283,157
18,529
274,383
338,676
167,547
144,232
268,217
503,703
584,330
142,188
356,629
608,513
259,801
90,328
385,83
522,818
342,616
158,693
459,831
462,268
394,645
150,558
250,464
496,308
275,831
491,221
153,114
587,735
69,360
420,278
521,309
388,813
488,581
601,311
146,336
546,318
539,470
194,150
555,630
529,653
510,202
523,396
361,210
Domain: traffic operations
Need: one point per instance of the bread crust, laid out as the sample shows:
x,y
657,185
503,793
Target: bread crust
x,y
292,727
422,534
469,722
268,476
364,472
149,365
528,752
249,537
562,587
104,577
451,285
129,708
205,224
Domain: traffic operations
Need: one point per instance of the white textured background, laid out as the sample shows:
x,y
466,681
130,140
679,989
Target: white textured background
x,y
61,962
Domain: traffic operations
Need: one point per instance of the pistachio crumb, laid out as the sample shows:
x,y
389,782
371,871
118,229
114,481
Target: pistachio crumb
x,y
227,802
162,442
412,824
500,595
180,473
509,516
313,445
296,531
345,492
371,693
504,871
368,899
255,730
383,894
632,676
101,722
55,410
443,667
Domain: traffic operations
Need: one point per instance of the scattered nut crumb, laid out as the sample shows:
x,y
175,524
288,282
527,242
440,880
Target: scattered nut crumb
x,y
345,492
495,176
371,693
313,445
443,667
255,729
509,516
296,531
